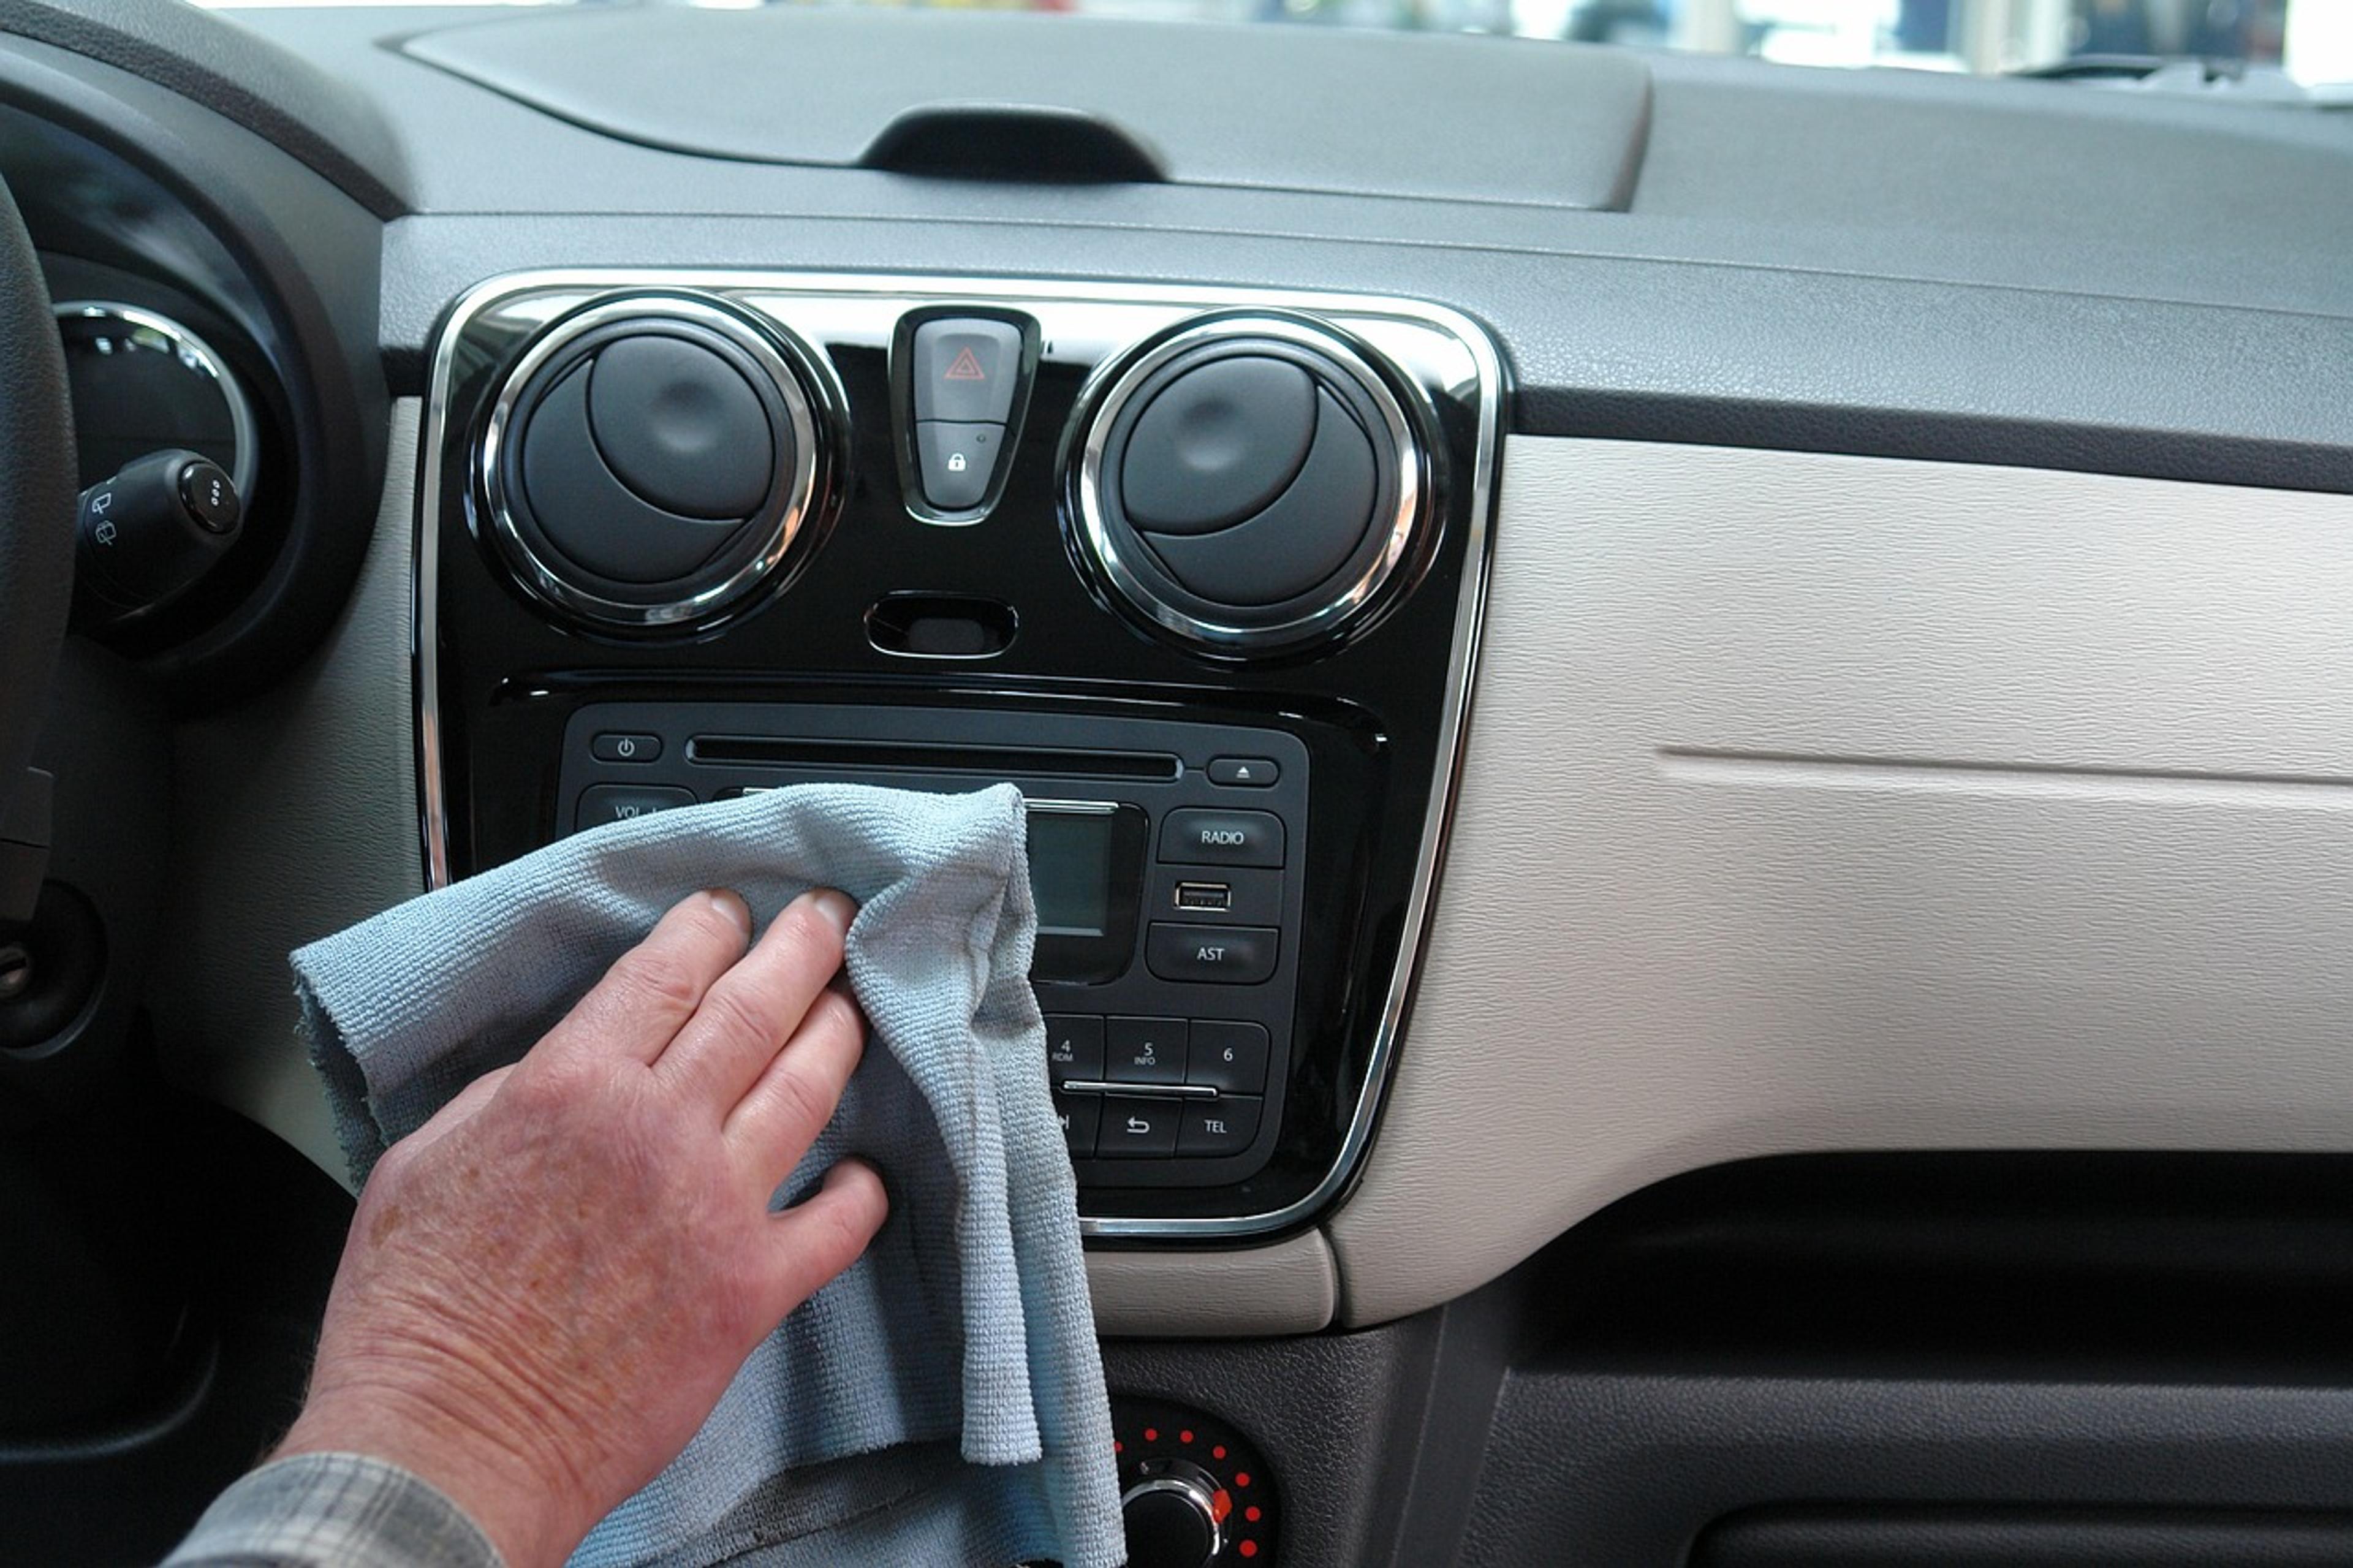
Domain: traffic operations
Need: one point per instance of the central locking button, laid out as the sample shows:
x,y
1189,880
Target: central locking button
x,y
957,461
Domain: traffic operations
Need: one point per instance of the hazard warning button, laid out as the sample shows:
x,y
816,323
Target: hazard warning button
x,y
966,370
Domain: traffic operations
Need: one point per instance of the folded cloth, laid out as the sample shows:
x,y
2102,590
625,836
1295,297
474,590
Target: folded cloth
x,y
965,1328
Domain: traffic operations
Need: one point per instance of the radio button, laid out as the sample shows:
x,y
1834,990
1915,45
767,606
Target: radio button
x,y
1137,1128
1081,1114
1146,1050
1226,1125
1074,1047
1201,837
1212,955
1229,1057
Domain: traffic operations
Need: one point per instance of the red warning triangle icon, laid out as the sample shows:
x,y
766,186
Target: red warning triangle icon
x,y
966,368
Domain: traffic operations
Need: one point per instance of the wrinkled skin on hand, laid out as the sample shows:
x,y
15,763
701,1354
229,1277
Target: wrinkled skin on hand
x,y
548,1286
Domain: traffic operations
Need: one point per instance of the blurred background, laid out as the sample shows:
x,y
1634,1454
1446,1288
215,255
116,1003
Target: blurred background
x,y
2262,47
2309,38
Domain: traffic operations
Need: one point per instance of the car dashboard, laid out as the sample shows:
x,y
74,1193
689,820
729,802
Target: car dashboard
x,y
1673,709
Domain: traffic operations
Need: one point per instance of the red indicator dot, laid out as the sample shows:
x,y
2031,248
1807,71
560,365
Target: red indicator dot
x,y
1218,1452
1184,1436
1117,1446
1241,1478
1152,1433
1249,1549
1250,1513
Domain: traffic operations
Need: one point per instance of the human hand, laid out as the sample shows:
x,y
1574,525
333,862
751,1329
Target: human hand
x,y
549,1284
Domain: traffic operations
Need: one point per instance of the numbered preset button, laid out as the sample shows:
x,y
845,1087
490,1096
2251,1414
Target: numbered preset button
x,y
1229,1058
1144,1051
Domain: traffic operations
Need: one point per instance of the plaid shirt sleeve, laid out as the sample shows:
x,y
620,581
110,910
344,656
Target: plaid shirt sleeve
x,y
344,1510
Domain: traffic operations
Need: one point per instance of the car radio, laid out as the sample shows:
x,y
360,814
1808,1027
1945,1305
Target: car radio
x,y
1162,854
1199,570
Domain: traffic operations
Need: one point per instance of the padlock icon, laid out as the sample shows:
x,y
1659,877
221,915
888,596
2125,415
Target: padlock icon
x,y
956,462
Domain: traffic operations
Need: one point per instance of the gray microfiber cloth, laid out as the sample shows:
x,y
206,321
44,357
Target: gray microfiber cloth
x,y
965,1329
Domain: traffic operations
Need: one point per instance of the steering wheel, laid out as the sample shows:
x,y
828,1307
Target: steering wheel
x,y
37,498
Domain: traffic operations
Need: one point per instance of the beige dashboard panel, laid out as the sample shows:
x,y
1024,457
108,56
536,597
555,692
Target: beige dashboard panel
x,y
1818,803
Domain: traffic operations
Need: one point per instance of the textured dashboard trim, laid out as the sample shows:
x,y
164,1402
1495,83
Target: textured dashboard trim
x,y
1464,656
1822,802
287,825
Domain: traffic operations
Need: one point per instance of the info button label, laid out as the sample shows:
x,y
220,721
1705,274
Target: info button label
x,y
1195,837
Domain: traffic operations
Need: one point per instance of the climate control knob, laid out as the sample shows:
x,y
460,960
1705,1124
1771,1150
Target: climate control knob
x,y
1173,1517
1250,484
654,461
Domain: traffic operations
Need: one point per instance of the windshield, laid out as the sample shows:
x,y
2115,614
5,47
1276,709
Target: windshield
x,y
2222,44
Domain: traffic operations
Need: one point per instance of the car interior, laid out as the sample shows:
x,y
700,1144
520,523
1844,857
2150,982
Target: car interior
x,y
1685,698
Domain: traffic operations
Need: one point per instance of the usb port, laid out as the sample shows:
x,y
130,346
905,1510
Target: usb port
x,y
1205,895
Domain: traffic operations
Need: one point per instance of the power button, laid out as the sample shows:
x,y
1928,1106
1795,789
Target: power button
x,y
617,748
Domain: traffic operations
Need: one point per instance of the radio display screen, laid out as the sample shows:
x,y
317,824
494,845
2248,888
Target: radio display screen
x,y
1071,871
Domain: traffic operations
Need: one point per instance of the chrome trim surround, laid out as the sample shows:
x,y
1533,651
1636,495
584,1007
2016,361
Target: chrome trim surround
x,y
1070,807
1191,1483
199,356
1116,383
1101,316
803,499
1139,1091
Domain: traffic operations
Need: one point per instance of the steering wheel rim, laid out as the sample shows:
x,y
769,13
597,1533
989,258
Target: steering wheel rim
x,y
36,498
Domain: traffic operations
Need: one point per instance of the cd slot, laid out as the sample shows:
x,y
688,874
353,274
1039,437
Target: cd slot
x,y
904,756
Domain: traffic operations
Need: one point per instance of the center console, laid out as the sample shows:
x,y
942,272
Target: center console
x,y
1199,571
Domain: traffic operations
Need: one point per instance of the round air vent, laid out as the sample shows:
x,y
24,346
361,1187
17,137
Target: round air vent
x,y
1249,484
653,460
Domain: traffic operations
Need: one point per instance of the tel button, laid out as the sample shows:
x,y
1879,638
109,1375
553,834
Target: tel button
x,y
1137,1128
1201,837
1212,955
1222,1126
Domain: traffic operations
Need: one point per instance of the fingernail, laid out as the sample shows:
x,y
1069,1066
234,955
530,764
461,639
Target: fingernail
x,y
731,904
837,907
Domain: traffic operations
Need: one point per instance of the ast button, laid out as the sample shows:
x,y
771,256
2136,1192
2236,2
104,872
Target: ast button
x,y
1224,1126
625,748
966,370
1074,1047
601,803
1146,1050
957,461
1230,1057
1212,955
1197,837
1133,1128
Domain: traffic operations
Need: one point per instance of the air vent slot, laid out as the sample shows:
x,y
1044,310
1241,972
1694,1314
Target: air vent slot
x,y
1023,144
